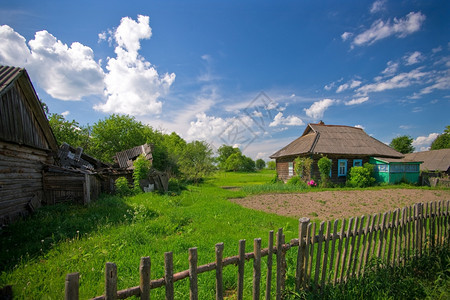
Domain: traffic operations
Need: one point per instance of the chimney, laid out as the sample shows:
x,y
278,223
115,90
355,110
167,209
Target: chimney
x,y
321,122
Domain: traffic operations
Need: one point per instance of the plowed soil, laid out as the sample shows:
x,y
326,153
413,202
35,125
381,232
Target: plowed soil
x,y
332,205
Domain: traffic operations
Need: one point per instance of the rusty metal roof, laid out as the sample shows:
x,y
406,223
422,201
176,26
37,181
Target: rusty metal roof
x,y
8,75
336,139
125,158
433,160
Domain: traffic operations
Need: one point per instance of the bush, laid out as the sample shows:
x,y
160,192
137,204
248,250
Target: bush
x,y
297,182
361,176
302,167
122,188
324,165
141,168
275,179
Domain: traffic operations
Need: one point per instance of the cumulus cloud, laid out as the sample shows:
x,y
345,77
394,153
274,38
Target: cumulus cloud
x,y
132,85
64,72
391,68
399,81
206,127
401,28
357,101
423,143
413,58
360,126
346,35
317,109
377,6
288,121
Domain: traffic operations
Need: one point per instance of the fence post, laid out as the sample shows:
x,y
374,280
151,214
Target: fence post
x,y
241,266
256,268
144,284
302,227
168,275
219,276
279,262
110,281
72,285
269,267
193,287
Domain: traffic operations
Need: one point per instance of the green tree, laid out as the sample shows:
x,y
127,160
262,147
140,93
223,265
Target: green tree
x,y
442,141
116,133
324,165
225,152
69,132
271,165
238,162
402,144
196,161
260,164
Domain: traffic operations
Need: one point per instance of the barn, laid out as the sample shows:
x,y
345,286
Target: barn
x,y
27,144
346,146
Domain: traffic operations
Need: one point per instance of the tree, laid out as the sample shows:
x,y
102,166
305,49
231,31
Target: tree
x,y
442,141
69,132
402,144
271,165
196,161
260,164
238,162
225,152
116,133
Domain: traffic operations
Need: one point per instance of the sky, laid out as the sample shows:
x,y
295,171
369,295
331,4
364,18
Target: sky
x,y
250,74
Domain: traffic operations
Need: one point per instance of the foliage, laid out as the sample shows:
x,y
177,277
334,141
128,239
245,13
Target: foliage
x,y
69,132
361,176
260,164
141,169
297,181
196,161
302,167
402,144
275,179
239,163
271,165
324,165
122,188
442,141
225,152
114,134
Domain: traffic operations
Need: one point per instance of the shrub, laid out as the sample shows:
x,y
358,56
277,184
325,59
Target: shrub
x,y
275,179
302,167
141,168
122,188
324,165
361,176
296,181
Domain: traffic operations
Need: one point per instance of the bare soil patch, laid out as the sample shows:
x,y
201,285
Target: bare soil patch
x,y
332,205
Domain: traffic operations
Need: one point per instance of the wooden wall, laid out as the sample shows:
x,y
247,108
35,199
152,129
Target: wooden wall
x,y
20,179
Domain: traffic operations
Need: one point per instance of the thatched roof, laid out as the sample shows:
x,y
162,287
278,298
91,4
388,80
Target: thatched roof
x,y
433,160
336,139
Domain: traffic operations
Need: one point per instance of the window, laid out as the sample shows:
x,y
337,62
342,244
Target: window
x,y
357,162
291,169
342,167
381,168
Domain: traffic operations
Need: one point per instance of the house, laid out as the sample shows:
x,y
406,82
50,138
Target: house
x,y
394,170
27,144
434,161
346,146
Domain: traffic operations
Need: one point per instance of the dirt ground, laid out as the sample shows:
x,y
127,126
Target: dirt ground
x,y
332,205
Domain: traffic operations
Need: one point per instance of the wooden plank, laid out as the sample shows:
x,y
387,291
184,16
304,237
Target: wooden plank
x,y
325,254
358,245
219,274
300,271
110,281
364,234
311,253
344,257
352,255
369,242
241,266
439,225
279,263
257,269
168,275
193,278
391,236
381,237
71,291
339,253
269,267
319,254
333,248
144,278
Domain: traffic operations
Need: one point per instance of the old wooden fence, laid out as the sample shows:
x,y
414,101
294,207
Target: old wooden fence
x,y
329,254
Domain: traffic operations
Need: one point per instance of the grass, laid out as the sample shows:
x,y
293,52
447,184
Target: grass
x,y
38,252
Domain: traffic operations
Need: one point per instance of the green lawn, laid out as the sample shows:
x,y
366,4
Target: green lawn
x,y
37,253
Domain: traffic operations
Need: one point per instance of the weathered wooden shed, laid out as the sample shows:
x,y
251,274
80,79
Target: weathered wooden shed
x,y
27,144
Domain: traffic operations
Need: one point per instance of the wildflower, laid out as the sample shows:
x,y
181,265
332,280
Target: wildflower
x,y
312,183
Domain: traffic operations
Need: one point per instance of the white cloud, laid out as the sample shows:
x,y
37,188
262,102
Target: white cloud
x,y
133,85
317,109
206,127
360,126
423,143
64,72
440,83
437,49
377,6
262,155
413,58
405,127
357,101
346,35
391,68
288,121
349,85
399,81
65,113
399,27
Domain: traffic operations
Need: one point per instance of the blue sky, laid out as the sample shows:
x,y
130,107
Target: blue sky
x,y
250,74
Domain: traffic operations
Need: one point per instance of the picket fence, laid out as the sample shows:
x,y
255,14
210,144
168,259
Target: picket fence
x,y
330,257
